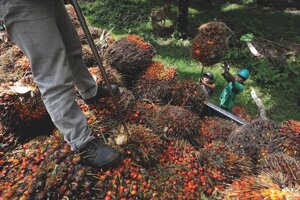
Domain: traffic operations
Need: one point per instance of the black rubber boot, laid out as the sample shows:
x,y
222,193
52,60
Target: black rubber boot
x,y
101,93
99,155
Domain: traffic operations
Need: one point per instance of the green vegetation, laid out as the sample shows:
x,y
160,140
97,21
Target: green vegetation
x,y
276,82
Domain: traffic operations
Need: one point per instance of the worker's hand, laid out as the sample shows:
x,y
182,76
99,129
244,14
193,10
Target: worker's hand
x,y
67,2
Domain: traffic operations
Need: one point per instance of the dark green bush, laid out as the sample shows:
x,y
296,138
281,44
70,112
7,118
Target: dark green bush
x,y
122,15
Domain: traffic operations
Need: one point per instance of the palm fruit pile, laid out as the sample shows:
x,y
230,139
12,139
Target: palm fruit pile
x,y
155,83
160,158
209,45
257,139
285,165
46,168
261,138
130,56
188,94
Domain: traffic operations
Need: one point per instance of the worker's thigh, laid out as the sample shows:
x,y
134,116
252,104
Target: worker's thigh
x,y
32,26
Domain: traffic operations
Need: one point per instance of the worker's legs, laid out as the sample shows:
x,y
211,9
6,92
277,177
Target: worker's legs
x,y
32,25
82,78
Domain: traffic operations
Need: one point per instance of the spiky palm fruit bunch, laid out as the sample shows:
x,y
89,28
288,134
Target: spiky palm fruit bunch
x,y
130,56
214,128
291,131
114,77
283,163
209,45
222,165
16,107
140,143
155,83
87,56
189,94
256,139
259,187
175,121
142,112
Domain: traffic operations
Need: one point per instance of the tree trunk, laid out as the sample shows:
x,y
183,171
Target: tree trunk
x,y
182,19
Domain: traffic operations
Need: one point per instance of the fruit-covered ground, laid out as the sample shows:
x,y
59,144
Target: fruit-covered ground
x,y
169,151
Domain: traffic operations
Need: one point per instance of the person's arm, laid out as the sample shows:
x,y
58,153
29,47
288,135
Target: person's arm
x,y
228,77
211,86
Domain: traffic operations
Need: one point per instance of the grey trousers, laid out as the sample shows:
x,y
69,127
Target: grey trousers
x,y
46,35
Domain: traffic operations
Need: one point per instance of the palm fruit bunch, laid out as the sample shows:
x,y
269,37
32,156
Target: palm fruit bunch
x,y
140,144
221,165
130,56
291,131
20,102
209,45
88,56
214,129
179,174
114,77
188,94
142,112
175,121
285,165
263,186
155,83
256,139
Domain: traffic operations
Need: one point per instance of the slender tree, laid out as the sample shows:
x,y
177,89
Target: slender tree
x,y
182,19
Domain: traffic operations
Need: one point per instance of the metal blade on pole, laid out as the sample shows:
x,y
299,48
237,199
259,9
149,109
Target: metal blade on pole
x,y
95,52
225,113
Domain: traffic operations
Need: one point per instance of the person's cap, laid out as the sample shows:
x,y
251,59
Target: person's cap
x,y
244,73
210,75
